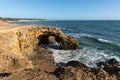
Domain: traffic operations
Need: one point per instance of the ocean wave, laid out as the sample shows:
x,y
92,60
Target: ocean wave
x,y
87,56
62,28
109,43
103,40
96,39
79,35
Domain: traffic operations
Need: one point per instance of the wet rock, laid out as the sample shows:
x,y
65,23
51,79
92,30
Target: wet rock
x,y
112,67
74,70
100,64
113,61
75,64
78,71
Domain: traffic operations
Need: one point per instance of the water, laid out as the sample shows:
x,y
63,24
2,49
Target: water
x,y
99,40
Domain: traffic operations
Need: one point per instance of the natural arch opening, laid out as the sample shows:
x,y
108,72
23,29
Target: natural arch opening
x,y
48,42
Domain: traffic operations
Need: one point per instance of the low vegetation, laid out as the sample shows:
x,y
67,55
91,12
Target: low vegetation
x,y
17,19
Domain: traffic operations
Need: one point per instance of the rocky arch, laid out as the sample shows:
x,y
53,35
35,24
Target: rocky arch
x,y
20,45
66,42
29,37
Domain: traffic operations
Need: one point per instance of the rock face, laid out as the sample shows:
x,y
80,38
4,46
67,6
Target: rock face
x,y
24,40
78,71
19,47
29,74
112,67
20,51
73,70
22,57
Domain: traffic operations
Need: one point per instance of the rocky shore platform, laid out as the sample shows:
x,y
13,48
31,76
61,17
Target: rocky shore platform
x,y
23,58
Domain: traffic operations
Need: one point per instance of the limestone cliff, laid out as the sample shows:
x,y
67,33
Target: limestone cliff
x,y
23,58
23,42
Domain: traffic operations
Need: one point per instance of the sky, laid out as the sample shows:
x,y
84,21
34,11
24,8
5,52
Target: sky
x,y
61,9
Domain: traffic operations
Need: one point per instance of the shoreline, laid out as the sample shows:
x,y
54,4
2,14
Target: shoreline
x,y
20,19
21,51
25,21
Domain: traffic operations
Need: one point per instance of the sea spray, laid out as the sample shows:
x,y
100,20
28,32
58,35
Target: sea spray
x,y
87,56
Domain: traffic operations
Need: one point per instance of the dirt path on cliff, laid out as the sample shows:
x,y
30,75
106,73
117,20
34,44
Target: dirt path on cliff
x,y
6,27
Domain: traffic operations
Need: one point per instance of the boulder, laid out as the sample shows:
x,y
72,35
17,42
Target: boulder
x,y
112,67
113,61
75,64
75,70
68,43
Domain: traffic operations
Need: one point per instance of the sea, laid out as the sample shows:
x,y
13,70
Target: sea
x,y
99,40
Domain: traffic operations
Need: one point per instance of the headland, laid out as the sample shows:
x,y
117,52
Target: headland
x,y
22,56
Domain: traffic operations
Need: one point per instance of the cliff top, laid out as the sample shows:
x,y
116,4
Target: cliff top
x,y
20,19
6,27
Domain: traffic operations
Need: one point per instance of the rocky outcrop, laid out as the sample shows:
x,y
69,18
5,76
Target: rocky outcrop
x,y
20,51
73,70
112,67
20,46
24,40
78,71
23,58
29,74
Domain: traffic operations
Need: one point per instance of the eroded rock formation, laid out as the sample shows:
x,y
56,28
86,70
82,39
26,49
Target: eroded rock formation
x,y
21,45
24,40
73,70
22,57
78,71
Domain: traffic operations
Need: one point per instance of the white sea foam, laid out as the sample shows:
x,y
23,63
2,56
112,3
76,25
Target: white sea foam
x,y
104,41
99,39
79,35
63,28
87,56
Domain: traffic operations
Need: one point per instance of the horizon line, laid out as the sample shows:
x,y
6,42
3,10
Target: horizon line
x,y
62,19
